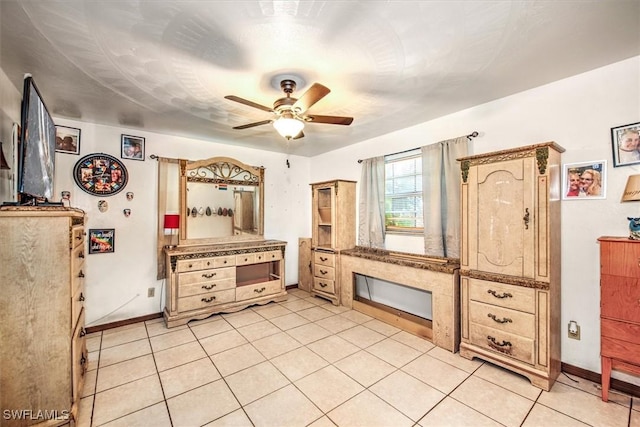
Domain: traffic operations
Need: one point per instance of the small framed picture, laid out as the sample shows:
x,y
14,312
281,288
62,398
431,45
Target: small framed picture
x,y
625,142
67,140
582,181
102,240
132,147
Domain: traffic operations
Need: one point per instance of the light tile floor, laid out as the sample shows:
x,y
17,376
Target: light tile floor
x,y
305,362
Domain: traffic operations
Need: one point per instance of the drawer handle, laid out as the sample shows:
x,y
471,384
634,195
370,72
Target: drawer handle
x,y
81,255
495,294
273,255
82,333
208,275
190,265
81,274
525,218
225,261
323,259
323,272
83,360
495,319
209,287
503,347
212,298
79,237
259,291
208,263
322,285
246,259
81,297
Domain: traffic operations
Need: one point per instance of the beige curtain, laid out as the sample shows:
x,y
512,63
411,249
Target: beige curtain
x,y
163,239
371,204
441,196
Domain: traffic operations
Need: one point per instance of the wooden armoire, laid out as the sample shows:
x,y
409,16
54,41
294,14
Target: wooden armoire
x,y
510,260
43,355
333,229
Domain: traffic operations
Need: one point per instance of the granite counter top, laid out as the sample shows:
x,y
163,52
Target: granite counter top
x,y
433,263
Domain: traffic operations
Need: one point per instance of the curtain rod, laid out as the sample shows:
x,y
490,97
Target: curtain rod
x,y
470,136
170,159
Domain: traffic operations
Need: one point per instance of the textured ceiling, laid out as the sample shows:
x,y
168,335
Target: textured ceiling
x,y
165,66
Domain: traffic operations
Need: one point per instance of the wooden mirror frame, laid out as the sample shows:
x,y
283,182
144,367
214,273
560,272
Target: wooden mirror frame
x,y
219,170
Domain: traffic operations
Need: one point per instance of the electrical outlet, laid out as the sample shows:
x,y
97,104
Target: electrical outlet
x,y
151,292
573,330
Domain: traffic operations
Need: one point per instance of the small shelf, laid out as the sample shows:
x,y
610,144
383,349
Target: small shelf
x,y
325,215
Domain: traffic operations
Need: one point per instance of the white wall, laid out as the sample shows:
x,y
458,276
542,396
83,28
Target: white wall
x,y
117,283
577,113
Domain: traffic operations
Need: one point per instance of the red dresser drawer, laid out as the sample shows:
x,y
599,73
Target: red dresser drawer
x,y
620,257
620,298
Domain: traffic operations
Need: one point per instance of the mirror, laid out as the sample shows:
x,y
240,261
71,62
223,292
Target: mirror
x,y
221,199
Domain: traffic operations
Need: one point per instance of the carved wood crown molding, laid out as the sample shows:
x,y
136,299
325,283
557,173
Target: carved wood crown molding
x,y
224,172
540,153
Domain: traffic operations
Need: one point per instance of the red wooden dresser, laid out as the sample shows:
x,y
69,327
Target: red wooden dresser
x,y
619,307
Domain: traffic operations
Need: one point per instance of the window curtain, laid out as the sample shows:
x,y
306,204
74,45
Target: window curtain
x,y
163,239
441,196
371,204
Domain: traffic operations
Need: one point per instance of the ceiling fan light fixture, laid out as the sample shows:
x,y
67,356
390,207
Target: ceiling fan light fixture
x,y
288,127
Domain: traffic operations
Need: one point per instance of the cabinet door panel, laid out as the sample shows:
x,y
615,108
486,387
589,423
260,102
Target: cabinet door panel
x,y
504,238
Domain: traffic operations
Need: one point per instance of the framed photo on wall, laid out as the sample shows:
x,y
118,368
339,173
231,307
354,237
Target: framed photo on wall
x,y
584,181
625,142
102,240
132,147
67,140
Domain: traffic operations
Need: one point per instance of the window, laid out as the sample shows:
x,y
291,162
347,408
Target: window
x,y
403,192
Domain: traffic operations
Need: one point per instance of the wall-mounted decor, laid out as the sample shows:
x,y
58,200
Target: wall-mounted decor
x,y
625,142
101,240
103,206
126,212
132,147
67,140
100,174
584,180
129,195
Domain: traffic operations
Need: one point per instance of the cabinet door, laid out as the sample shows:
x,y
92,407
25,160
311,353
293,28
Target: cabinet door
x,y
501,217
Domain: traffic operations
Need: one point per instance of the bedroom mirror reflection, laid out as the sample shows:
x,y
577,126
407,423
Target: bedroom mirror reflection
x,y
221,199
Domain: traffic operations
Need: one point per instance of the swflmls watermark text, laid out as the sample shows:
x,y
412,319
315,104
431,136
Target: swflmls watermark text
x,y
30,414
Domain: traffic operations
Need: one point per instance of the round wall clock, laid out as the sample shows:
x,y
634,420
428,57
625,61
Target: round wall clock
x,y
100,174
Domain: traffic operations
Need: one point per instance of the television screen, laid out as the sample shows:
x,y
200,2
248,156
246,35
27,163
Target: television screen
x,y
37,146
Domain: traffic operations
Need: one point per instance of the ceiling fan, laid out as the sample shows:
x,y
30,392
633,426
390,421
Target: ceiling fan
x,y
290,112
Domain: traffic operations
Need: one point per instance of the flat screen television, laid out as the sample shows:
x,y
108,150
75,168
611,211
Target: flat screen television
x,y
36,150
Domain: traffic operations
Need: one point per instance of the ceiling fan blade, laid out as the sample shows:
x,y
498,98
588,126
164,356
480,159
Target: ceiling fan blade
x,y
314,94
250,125
249,103
332,120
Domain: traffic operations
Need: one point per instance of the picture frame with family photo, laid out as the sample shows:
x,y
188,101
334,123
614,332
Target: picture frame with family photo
x,y
625,143
584,181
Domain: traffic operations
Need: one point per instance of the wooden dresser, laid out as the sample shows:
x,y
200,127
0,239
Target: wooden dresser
x,y
43,357
510,260
619,307
333,229
222,278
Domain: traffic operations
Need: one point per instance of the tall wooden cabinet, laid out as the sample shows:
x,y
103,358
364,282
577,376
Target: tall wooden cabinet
x,y
619,307
510,260
43,357
333,229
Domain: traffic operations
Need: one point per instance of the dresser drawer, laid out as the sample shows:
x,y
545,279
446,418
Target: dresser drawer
x,y
621,350
324,258
503,295
324,272
206,276
620,298
195,264
79,357
77,278
501,342
77,258
268,256
503,319
620,258
258,290
326,286
186,290
206,300
77,236
623,331
77,305
245,259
